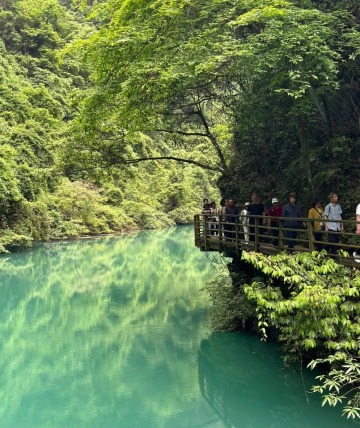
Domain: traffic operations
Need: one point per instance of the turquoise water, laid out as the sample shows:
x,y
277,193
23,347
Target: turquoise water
x,y
112,332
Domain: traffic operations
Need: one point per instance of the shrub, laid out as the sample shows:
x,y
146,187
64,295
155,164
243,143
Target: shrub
x,y
314,303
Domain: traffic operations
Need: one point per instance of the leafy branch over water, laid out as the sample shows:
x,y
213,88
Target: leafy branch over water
x,y
314,304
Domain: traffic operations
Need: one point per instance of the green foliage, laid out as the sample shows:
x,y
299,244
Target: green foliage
x,y
260,93
314,303
231,309
10,239
74,209
79,208
145,216
266,88
37,99
9,185
340,384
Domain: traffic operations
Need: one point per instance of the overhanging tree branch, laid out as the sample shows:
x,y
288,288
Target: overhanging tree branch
x,y
201,165
188,134
212,139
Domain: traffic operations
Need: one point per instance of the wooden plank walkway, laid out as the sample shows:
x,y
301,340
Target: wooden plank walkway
x,y
210,236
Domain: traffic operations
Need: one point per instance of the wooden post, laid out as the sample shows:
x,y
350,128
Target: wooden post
x,y
237,235
205,232
196,230
220,232
281,236
256,234
311,235
204,242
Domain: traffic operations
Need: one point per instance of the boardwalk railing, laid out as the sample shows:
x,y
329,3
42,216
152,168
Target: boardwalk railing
x,y
229,233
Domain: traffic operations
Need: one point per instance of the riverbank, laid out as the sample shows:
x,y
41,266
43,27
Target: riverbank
x,y
78,211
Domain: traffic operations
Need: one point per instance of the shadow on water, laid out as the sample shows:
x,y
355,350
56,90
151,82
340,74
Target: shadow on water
x,y
245,383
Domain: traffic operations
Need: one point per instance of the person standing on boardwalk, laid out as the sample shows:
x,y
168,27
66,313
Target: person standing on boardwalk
x,y
206,211
334,227
358,219
316,214
274,212
256,208
245,221
232,214
214,218
293,211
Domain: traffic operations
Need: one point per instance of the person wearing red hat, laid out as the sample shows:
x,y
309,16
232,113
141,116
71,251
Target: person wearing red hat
x,y
274,211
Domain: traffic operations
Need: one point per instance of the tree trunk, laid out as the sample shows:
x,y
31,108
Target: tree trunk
x,y
305,152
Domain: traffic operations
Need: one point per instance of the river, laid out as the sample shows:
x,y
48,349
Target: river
x,y
113,333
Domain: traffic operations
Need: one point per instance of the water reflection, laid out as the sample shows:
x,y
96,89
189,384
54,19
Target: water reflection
x,y
101,332
106,333
245,382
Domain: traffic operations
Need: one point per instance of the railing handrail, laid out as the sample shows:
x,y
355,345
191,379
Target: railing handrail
x,y
266,216
214,231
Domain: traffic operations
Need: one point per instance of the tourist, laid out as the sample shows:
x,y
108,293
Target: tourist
x,y
293,211
335,226
256,208
223,205
214,219
206,212
232,214
274,211
357,218
245,221
316,213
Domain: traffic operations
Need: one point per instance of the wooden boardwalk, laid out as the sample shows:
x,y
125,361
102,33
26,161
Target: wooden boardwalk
x,y
228,238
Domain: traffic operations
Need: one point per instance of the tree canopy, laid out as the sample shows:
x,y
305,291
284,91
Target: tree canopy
x,y
270,88
262,94
42,85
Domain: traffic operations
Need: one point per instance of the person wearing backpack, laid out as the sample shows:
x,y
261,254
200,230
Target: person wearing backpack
x,y
335,226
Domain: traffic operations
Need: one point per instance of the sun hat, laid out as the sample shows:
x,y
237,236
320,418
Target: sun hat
x,y
274,200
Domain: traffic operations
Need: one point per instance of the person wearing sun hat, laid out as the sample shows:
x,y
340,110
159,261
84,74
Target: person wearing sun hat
x,y
274,211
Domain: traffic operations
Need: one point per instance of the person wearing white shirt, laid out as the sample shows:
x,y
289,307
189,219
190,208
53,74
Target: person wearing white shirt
x,y
334,227
244,216
357,218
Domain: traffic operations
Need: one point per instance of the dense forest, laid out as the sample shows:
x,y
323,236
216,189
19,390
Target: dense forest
x,y
125,114
269,88
120,114
49,188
